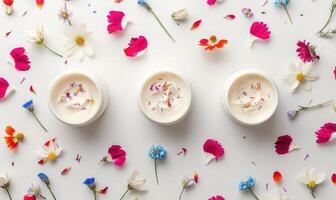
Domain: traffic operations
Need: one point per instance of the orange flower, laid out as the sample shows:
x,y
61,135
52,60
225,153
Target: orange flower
x,y
13,138
212,43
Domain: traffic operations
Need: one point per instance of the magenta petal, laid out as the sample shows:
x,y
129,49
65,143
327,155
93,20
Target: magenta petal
x,y
211,2
260,30
325,133
4,85
282,144
117,154
120,161
136,46
21,60
115,21
213,147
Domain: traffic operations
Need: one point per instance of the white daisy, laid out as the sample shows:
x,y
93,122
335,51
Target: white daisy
x,y
49,151
4,180
135,182
299,74
79,42
312,179
273,195
36,36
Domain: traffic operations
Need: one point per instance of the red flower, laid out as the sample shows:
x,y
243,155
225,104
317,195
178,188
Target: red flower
x,y
306,52
212,43
13,138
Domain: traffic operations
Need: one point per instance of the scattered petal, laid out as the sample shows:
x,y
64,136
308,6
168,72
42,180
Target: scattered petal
x,y
247,12
213,150
259,30
333,179
326,133
12,138
39,3
137,47
196,24
277,177
5,89
183,151
231,17
21,60
8,33
103,190
117,21
65,171
284,145
32,90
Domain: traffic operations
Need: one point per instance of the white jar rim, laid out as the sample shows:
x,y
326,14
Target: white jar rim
x,y
177,118
101,101
228,85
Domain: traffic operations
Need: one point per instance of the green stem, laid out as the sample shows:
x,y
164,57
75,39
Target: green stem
x,y
289,17
39,121
254,195
128,189
320,105
164,28
329,19
51,192
312,191
8,193
156,173
182,191
52,51
94,195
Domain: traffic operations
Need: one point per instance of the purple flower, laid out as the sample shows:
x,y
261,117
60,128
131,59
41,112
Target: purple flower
x,y
292,114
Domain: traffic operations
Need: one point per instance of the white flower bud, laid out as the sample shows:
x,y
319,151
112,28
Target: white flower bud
x,y
180,15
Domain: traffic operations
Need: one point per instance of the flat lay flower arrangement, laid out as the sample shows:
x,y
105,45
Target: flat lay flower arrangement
x,y
297,77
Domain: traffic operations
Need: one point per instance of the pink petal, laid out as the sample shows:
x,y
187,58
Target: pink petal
x,y
282,145
117,154
211,2
65,171
214,148
115,19
136,47
335,72
218,197
103,191
231,17
196,24
260,30
326,133
5,89
21,60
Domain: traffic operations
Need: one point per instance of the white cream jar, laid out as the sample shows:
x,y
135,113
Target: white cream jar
x,y
165,98
250,97
77,97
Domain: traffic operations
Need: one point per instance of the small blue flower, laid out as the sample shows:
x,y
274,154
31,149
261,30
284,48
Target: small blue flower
x,y
29,105
281,2
246,184
44,178
292,114
89,181
157,152
142,2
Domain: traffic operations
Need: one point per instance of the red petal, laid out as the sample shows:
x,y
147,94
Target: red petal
x,y
104,190
333,179
31,89
8,2
277,177
231,17
39,3
196,24
65,170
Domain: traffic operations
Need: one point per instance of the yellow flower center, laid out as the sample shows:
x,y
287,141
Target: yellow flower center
x,y
52,156
312,184
80,40
300,77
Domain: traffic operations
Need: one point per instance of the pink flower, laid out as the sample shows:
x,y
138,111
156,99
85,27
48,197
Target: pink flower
x,y
259,31
326,133
213,2
118,155
306,52
213,150
5,89
117,21
218,197
137,47
335,72
21,60
284,145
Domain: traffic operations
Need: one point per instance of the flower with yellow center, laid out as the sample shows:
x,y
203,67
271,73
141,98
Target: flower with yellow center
x,y
299,74
79,42
50,151
311,178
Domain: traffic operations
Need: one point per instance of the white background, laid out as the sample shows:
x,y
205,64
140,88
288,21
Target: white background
x,y
124,124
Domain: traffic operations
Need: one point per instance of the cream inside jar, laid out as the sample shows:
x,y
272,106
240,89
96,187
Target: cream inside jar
x,y
165,98
75,98
251,98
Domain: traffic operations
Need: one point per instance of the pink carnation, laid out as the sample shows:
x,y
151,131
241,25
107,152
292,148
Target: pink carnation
x,y
213,150
326,133
21,60
306,52
137,46
116,21
5,89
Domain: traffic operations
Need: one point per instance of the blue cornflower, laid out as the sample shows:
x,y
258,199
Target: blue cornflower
x,y
281,2
90,182
248,184
45,179
142,2
157,152
29,105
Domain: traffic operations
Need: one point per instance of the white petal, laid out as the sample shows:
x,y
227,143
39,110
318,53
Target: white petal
x,y
294,86
208,158
41,153
292,68
312,77
307,86
306,68
89,50
320,178
289,78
